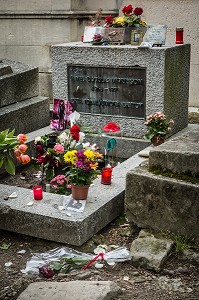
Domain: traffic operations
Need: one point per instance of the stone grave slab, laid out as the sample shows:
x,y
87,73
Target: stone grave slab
x,y
26,116
89,290
44,220
161,203
180,155
17,82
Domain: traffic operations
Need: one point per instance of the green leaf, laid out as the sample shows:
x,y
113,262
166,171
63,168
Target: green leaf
x,y
12,145
9,165
1,162
11,133
57,266
3,135
2,146
10,140
5,246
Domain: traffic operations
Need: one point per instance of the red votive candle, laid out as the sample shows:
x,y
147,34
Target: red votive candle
x,y
38,193
179,35
106,175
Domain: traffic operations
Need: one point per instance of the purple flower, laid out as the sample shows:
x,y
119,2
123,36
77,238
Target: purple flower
x,y
79,164
80,155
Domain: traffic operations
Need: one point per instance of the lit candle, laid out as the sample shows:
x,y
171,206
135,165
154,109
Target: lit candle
x,y
106,175
38,193
179,35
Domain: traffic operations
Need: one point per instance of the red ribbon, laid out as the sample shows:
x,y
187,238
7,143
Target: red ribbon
x,y
94,259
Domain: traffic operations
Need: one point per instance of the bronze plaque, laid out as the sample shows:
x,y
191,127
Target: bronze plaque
x,y
108,91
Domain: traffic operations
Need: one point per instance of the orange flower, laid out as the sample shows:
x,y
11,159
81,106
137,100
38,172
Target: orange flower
x,y
22,138
23,148
23,159
17,153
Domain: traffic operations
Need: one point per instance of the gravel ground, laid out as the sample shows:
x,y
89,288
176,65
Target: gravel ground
x,y
178,280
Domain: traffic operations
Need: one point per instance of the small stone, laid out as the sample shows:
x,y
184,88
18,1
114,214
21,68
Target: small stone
x,y
60,207
13,195
30,203
126,278
8,264
139,280
98,266
21,252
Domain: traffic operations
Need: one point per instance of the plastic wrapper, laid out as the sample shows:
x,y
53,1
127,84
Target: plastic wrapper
x,y
65,259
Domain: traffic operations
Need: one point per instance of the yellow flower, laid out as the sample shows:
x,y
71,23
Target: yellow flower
x,y
89,155
70,156
143,23
119,21
94,166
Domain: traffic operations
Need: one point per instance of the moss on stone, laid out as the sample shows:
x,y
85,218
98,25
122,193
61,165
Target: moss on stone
x,y
185,176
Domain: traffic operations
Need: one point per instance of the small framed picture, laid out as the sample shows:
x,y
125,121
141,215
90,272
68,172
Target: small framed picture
x,y
61,111
156,34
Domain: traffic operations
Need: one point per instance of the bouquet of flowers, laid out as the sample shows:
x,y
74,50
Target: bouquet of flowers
x,y
131,17
82,166
54,153
10,143
157,125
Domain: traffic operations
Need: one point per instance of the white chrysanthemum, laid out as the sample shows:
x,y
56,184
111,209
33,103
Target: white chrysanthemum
x,y
37,139
63,137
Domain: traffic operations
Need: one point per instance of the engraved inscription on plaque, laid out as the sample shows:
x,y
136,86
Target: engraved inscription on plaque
x,y
108,91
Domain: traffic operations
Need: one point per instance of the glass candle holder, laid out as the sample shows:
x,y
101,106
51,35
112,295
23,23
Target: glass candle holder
x,y
179,35
38,192
106,175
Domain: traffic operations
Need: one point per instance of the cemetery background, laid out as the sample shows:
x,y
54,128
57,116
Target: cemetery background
x,y
146,278
60,21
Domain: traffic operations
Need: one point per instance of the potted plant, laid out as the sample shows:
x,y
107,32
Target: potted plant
x,y
158,127
119,29
9,145
81,170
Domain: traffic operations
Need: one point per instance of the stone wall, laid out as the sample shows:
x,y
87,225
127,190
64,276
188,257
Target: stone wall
x,y
177,13
31,27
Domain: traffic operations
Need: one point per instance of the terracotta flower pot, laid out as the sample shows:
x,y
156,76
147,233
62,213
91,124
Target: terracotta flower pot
x,y
79,192
158,140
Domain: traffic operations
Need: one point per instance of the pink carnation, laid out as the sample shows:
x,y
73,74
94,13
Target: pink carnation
x,y
59,149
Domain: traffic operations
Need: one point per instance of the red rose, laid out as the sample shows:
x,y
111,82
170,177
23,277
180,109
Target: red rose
x,y
74,129
127,10
138,11
55,163
40,148
109,20
43,159
75,136
46,271
111,127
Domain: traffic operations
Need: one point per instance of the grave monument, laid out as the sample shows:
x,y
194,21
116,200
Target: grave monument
x,y
123,83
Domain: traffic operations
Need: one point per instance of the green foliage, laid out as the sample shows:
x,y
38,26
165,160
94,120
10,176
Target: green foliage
x,y
181,243
185,177
5,246
7,143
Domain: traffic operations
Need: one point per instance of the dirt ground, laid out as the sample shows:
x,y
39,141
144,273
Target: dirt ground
x,y
178,280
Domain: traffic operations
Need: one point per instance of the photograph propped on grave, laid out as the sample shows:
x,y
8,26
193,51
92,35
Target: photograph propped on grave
x,y
61,111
